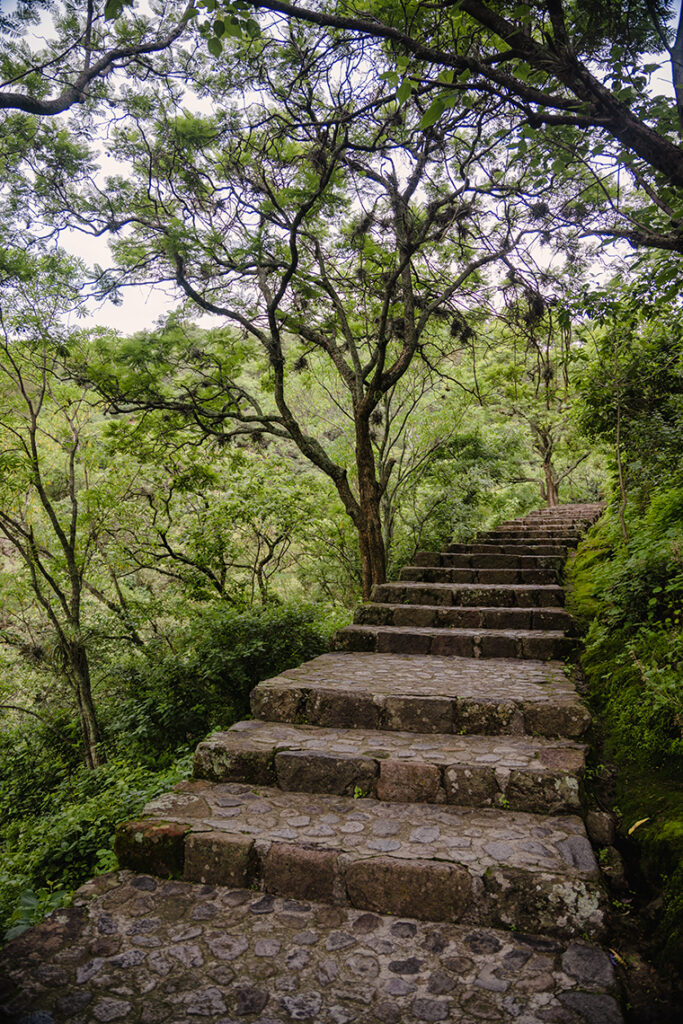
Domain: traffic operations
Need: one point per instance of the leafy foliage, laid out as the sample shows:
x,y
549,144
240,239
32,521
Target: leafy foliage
x,y
627,587
169,697
59,817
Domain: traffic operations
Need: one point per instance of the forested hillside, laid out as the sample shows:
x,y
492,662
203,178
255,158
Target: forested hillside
x,y
422,274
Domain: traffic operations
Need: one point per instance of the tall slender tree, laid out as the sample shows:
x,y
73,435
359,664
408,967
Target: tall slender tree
x,y
322,220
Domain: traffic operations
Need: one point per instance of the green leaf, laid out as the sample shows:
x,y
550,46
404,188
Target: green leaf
x,y
114,8
432,115
404,90
215,46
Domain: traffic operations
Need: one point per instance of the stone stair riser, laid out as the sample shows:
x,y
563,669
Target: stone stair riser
x,y
436,574
353,710
554,904
579,522
454,642
529,537
558,550
488,561
463,617
542,523
469,595
536,790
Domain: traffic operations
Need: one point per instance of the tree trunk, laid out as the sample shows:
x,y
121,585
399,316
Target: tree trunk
x,y
677,69
620,469
388,524
369,520
549,488
79,670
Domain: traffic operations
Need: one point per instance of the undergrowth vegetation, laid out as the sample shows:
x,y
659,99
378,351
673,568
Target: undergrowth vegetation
x,y
629,597
58,816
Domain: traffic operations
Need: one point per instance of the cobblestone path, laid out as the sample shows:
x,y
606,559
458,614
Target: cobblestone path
x,y
397,836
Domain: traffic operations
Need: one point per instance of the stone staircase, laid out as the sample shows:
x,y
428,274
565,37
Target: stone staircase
x,y
430,767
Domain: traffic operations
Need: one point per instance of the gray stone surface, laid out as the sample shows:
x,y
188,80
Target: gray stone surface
x,y
427,693
469,594
442,574
494,866
475,643
559,843
392,674
526,773
463,616
505,752
225,957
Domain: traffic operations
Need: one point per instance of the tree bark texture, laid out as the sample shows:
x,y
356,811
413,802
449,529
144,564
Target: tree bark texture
x,y
79,671
369,520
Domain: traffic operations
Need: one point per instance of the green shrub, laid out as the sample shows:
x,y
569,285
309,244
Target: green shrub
x,y
173,697
47,855
58,818
628,596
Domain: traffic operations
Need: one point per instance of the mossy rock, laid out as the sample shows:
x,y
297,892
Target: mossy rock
x,y
152,847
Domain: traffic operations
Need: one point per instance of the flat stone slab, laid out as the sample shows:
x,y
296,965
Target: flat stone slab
x,y
432,862
485,560
463,616
455,641
469,594
517,772
142,951
441,574
496,548
532,536
428,694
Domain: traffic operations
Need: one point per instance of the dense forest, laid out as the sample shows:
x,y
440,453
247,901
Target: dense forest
x,y
422,270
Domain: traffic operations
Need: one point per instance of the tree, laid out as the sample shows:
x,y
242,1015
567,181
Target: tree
x,y
327,237
88,42
575,71
530,372
211,521
631,393
44,515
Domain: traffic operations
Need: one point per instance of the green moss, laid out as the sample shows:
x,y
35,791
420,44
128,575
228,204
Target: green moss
x,y
623,596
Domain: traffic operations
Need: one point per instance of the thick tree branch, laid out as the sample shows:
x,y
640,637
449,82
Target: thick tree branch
x,y
597,103
77,91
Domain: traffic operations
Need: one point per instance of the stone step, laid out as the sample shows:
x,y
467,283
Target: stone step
x,y
587,514
472,617
477,867
508,549
517,772
134,948
469,594
547,522
439,574
429,694
539,523
560,521
463,643
485,560
530,537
